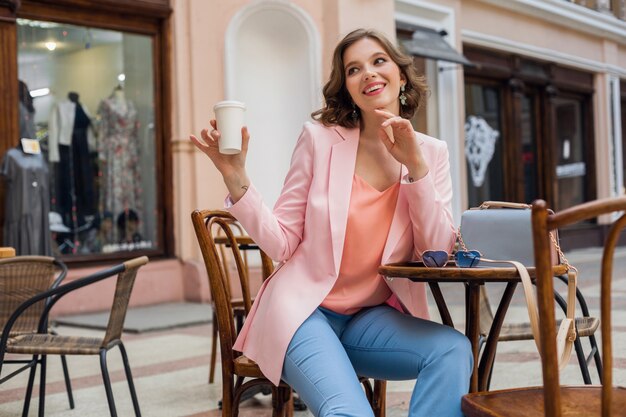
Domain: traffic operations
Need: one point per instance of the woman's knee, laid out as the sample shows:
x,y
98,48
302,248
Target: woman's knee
x,y
349,409
457,350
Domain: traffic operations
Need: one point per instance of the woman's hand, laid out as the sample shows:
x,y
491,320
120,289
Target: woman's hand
x,y
404,146
232,167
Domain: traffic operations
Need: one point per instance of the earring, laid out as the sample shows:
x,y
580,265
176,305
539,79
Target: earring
x,y
402,95
355,114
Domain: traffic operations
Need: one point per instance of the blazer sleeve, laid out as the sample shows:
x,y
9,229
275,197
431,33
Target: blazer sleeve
x,y
430,206
278,232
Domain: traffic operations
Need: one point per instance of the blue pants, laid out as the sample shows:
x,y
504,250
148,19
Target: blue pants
x,y
330,349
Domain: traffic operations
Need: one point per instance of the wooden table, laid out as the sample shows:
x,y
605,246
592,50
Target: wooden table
x,y
245,242
473,278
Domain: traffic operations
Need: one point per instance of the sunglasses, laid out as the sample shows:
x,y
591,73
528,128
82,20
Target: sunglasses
x,y
462,258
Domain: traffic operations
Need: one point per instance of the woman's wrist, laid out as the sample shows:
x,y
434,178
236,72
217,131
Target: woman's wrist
x,y
237,184
417,170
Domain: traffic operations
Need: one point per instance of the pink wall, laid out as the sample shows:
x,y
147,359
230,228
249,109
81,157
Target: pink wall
x,y
199,28
156,282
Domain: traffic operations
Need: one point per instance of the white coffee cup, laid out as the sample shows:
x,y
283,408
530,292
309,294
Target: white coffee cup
x,y
229,117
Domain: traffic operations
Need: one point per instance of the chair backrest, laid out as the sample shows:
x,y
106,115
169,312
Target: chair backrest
x,y
22,277
543,222
215,228
123,289
229,263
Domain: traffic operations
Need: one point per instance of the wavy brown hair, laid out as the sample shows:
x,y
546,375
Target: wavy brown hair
x,y
338,105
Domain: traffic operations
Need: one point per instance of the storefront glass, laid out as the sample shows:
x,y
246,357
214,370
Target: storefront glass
x,y
529,147
483,144
571,167
87,97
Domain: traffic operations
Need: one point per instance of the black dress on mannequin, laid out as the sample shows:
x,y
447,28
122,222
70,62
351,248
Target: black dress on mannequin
x,y
75,171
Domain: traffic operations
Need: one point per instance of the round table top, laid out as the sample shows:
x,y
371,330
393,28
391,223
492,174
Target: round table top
x,y
416,271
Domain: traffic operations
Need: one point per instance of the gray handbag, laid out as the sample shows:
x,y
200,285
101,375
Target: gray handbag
x,y
502,233
501,230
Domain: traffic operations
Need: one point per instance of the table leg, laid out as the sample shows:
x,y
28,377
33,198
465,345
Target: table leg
x,y
489,353
472,327
441,304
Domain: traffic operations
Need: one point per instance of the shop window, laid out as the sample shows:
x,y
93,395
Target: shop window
x,y
483,143
87,97
529,131
571,168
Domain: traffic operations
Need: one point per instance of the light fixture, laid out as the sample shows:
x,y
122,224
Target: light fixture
x,y
121,77
40,92
51,45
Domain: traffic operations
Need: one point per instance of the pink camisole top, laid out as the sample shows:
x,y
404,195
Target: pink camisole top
x,y
369,219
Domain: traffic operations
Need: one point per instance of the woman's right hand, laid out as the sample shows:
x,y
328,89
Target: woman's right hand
x,y
232,167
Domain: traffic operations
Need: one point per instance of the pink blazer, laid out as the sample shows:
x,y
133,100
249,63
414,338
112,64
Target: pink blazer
x,y
305,233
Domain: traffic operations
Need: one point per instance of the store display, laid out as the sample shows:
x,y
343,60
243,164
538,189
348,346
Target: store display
x,y
70,133
118,151
27,203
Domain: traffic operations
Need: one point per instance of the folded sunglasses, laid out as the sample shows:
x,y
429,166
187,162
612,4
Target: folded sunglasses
x,y
462,259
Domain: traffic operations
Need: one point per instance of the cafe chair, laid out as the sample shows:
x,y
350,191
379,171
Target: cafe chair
x,y
552,399
22,277
586,326
40,344
236,367
238,308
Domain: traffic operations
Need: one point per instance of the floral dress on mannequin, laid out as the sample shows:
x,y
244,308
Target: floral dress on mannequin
x,y
118,151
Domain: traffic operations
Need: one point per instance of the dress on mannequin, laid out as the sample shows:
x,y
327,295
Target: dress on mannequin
x,y
27,113
27,123
27,203
70,136
118,150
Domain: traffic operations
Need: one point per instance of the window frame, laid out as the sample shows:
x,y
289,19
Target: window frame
x,y
518,76
142,17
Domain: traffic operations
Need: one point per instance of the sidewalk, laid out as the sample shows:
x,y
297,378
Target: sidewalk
x,y
170,367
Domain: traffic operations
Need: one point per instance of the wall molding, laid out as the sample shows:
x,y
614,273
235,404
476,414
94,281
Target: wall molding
x,y
571,15
503,44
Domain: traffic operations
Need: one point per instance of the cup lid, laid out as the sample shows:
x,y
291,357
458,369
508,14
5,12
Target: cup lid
x,y
229,103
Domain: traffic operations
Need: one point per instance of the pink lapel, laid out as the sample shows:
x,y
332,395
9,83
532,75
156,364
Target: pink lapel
x,y
399,222
342,161
401,217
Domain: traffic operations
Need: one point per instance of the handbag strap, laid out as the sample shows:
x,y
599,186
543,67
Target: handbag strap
x,y
567,331
502,204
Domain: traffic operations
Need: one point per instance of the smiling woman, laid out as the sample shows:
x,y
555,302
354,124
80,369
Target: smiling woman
x,y
340,107
363,189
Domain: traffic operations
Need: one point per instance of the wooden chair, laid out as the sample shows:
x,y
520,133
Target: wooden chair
x,y
552,399
22,277
42,344
235,366
238,307
586,326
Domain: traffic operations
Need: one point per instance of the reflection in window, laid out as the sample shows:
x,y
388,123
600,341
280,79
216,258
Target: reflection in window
x,y
92,111
529,148
484,169
571,167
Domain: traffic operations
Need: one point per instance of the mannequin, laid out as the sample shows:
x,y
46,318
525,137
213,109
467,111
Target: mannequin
x,y
70,128
120,98
27,199
27,112
118,150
